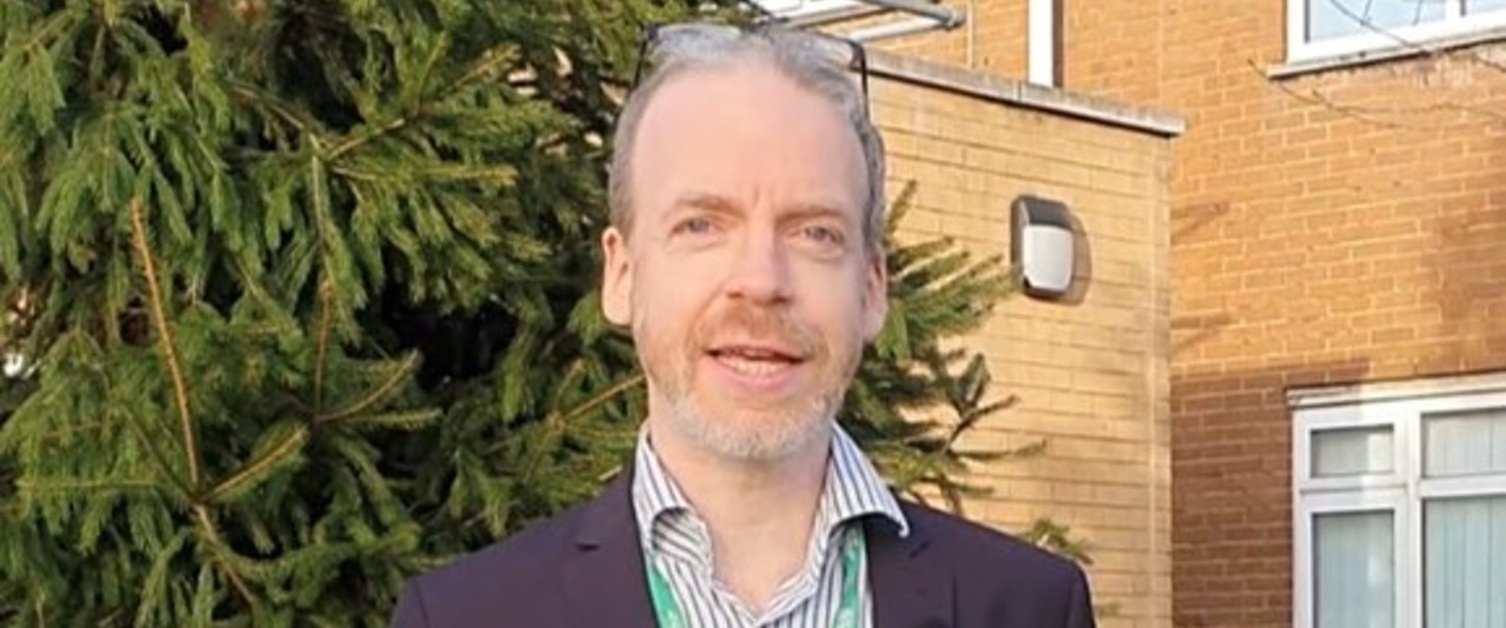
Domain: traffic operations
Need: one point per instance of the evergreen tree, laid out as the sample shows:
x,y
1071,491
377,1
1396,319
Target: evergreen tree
x,y
300,302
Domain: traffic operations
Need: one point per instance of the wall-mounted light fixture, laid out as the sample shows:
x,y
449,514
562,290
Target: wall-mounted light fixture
x,y
1043,246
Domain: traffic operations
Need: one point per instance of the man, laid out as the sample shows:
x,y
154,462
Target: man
x,y
744,253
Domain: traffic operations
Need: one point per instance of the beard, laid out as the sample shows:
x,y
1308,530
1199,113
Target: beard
x,y
750,435
754,430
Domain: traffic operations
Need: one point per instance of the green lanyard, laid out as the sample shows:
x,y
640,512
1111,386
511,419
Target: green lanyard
x,y
672,616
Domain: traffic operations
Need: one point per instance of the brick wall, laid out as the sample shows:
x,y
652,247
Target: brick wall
x,y
1090,375
992,41
1340,226
1111,47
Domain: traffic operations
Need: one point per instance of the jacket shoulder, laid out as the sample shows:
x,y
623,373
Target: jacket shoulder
x,y
509,575
988,548
1002,576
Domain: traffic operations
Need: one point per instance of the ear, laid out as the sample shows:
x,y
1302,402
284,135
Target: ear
x,y
616,278
875,296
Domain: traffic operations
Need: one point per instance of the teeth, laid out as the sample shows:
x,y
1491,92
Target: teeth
x,y
752,353
757,368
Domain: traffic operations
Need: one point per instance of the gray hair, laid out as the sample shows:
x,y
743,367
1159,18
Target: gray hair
x,y
804,58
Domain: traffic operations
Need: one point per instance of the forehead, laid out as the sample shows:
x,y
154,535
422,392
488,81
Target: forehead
x,y
750,133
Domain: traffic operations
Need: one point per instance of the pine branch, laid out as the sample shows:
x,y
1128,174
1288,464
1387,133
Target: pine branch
x,y
326,293
361,405
258,466
401,420
361,140
206,526
97,57
556,421
159,319
490,61
256,96
180,390
53,436
68,486
600,399
149,446
434,56
57,22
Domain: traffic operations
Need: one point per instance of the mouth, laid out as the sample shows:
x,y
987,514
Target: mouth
x,y
755,360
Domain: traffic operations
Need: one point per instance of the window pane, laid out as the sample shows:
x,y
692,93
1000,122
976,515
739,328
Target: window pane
x,y
1465,443
1352,451
1354,576
1464,549
1328,19
1474,7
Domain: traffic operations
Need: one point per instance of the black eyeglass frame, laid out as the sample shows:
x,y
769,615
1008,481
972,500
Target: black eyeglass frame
x,y
857,61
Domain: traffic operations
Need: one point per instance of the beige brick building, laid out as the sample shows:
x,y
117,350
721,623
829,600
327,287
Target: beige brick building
x,y
1298,304
1090,374
1090,371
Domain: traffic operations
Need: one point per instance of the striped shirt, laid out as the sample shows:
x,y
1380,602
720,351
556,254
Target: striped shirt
x,y
677,541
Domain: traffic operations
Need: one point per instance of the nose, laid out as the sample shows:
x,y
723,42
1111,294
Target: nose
x,y
760,272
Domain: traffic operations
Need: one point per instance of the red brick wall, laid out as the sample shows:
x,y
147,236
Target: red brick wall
x,y
992,40
1340,226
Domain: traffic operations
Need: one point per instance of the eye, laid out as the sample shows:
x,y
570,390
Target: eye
x,y
697,225
822,234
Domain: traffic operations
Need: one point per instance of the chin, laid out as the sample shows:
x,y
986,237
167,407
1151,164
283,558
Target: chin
x,y
753,435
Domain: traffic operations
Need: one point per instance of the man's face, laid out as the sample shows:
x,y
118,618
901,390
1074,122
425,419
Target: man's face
x,y
745,277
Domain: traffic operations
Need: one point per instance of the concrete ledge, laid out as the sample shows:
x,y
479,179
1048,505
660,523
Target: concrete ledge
x,y
1019,93
1320,396
1428,48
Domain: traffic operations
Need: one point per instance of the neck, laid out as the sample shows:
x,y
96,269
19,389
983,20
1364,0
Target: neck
x,y
759,512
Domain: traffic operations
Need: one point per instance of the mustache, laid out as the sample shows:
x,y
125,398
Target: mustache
x,y
756,323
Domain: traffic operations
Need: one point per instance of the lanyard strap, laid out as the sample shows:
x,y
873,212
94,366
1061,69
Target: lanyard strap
x,y
672,616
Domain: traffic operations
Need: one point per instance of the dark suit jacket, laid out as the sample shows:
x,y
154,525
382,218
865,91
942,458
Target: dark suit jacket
x,y
583,569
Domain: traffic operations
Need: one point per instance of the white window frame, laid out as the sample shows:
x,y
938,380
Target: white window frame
x,y
1454,24
810,9
1401,406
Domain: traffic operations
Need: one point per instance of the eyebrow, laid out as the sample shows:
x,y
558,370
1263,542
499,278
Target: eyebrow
x,y
716,203
705,201
805,211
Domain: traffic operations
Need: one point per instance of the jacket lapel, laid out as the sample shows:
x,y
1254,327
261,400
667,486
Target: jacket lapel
x,y
911,589
604,579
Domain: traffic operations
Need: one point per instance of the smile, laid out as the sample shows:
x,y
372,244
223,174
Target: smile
x,y
760,367
757,367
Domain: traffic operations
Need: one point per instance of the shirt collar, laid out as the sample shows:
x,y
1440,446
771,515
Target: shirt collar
x,y
654,492
853,488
